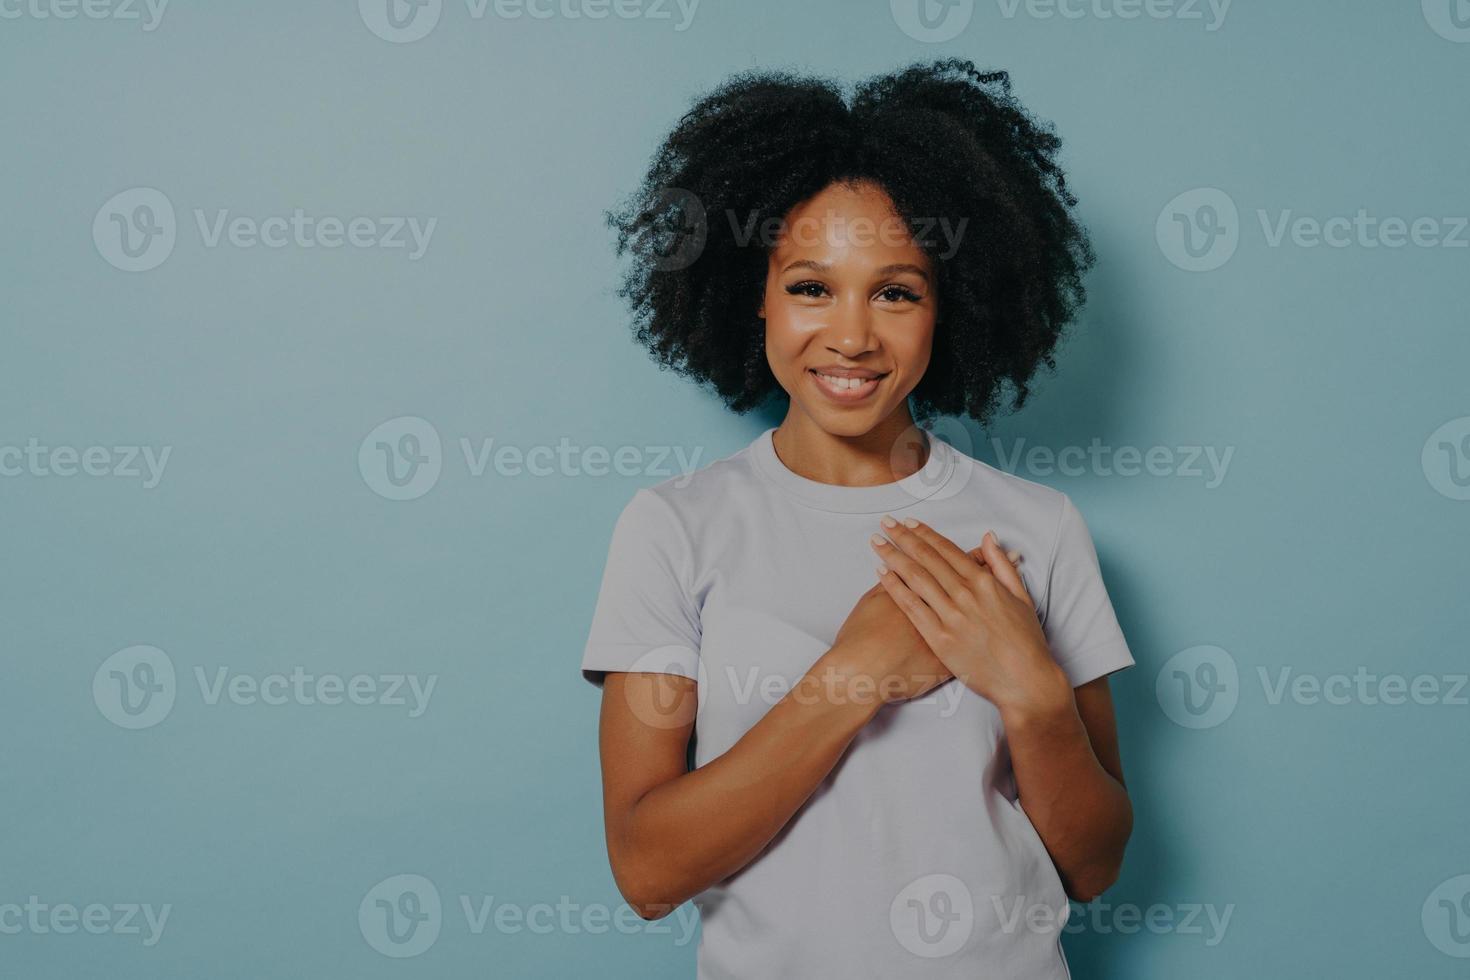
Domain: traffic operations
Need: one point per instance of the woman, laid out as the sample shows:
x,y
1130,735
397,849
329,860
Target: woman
x,y
901,777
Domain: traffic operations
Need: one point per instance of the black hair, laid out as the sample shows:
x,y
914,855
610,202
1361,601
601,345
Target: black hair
x,y
947,143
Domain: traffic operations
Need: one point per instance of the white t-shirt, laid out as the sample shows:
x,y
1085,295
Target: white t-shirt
x,y
913,858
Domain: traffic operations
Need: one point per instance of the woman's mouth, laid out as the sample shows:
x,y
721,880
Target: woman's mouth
x,y
846,389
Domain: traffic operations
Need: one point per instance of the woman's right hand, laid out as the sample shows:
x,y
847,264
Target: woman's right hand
x,y
881,655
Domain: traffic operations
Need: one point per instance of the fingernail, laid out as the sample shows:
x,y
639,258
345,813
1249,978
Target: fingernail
x,y
878,540
910,522
882,569
888,521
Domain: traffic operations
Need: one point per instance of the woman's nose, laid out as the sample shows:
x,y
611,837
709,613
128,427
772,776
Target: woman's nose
x,y
851,331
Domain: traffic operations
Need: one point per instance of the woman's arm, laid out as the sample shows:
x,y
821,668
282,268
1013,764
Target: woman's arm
x,y
1070,776
672,833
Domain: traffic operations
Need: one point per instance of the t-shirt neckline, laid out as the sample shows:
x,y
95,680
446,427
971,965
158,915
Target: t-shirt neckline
x,y
882,498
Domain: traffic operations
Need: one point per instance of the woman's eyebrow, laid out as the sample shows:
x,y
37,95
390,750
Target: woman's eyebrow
x,y
897,267
887,270
812,264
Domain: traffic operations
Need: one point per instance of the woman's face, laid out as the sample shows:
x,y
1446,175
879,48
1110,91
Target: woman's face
x,y
849,307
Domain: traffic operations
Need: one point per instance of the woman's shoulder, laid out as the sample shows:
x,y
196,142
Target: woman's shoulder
x,y
1005,490
688,499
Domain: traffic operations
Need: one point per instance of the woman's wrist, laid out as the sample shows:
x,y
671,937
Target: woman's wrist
x,y
839,679
1046,700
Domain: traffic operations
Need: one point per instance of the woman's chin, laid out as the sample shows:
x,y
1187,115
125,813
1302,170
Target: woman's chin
x,y
847,422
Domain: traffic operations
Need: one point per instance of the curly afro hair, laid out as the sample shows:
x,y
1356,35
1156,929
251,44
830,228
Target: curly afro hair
x,y
945,141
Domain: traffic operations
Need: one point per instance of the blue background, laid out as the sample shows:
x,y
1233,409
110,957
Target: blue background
x,y
1326,548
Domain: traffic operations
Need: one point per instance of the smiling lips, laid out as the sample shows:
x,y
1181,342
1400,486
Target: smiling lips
x,y
846,385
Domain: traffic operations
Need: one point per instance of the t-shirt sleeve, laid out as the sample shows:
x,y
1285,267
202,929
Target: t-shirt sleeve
x,y
646,619
1077,615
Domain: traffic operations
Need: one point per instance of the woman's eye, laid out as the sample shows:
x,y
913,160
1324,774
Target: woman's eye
x,y
809,288
899,294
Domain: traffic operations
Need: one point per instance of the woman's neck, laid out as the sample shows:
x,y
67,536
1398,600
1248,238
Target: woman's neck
x,y
889,452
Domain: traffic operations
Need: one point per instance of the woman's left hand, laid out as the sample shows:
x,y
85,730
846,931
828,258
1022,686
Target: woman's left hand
x,y
978,618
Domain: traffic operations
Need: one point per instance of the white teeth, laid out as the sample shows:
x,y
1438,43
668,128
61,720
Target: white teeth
x,y
844,382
